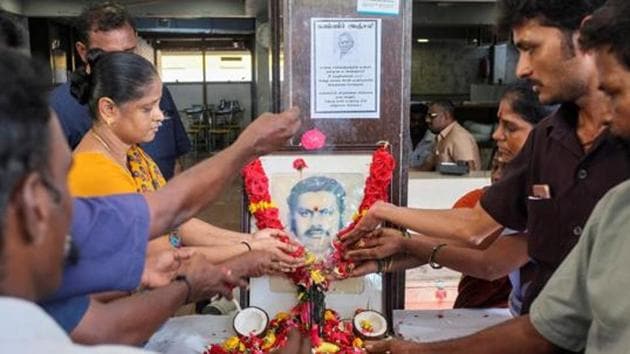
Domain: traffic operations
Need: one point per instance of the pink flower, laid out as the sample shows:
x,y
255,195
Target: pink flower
x,y
299,164
313,139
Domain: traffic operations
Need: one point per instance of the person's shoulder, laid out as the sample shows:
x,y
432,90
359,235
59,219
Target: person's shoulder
x,y
95,174
615,202
60,97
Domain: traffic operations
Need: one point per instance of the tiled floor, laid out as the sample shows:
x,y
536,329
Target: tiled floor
x,y
426,288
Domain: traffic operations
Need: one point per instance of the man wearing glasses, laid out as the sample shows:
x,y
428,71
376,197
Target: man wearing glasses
x,y
453,142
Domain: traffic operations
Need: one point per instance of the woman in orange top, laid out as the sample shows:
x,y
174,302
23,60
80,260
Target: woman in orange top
x,y
123,92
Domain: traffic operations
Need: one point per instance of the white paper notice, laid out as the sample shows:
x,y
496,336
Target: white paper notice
x,y
345,68
379,7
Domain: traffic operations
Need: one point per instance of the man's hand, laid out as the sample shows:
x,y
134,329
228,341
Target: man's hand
x,y
162,267
365,268
281,260
394,346
379,244
207,280
252,264
368,223
269,132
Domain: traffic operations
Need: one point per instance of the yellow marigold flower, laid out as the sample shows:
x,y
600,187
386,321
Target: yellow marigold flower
x,y
260,206
232,343
317,276
329,315
281,316
357,343
269,340
366,326
326,347
358,215
309,259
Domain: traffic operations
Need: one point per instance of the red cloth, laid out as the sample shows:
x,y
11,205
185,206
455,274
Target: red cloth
x,y
474,292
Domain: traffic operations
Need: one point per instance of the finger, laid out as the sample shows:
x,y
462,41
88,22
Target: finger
x,y
287,259
286,247
375,233
362,255
371,243
382,346
363,269
232,279
184,253
353,236
225,291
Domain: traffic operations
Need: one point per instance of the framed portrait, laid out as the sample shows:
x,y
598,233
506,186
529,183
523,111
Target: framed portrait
x,y
314,205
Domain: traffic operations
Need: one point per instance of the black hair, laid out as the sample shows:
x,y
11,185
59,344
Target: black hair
x,y
447,105
566,15
10,35
102,16
609,27
120,76
24,118
316,184
524,102
418,108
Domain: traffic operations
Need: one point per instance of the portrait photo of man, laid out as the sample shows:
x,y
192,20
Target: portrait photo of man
x,y
314,205
316,208
345,42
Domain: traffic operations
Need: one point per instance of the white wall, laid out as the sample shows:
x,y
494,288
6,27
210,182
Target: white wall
x,y
430,190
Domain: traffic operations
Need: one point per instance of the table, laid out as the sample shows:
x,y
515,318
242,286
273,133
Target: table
x,y
437,325
191,334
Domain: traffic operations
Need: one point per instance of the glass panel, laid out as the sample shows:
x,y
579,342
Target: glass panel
x,y
181,66
228,66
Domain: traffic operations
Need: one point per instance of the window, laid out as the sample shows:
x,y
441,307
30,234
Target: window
x,y
228,66
187,66
181,66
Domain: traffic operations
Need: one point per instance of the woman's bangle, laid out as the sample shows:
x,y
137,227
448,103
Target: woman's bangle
x,y
432,263
405,234
183,279
249,247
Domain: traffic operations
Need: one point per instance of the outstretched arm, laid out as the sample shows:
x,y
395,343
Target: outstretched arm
x,y
187,193
466,225
502,256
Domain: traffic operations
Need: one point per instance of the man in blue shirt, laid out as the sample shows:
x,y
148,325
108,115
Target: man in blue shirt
x,y
109,27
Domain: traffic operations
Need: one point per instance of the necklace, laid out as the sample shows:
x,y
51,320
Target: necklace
x,y
100,140
108,148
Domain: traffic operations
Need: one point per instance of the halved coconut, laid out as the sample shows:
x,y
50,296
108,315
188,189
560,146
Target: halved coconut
x,y
370,324
250,320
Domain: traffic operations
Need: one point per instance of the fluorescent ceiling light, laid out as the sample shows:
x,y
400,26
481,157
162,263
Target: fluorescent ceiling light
x,y
422,40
